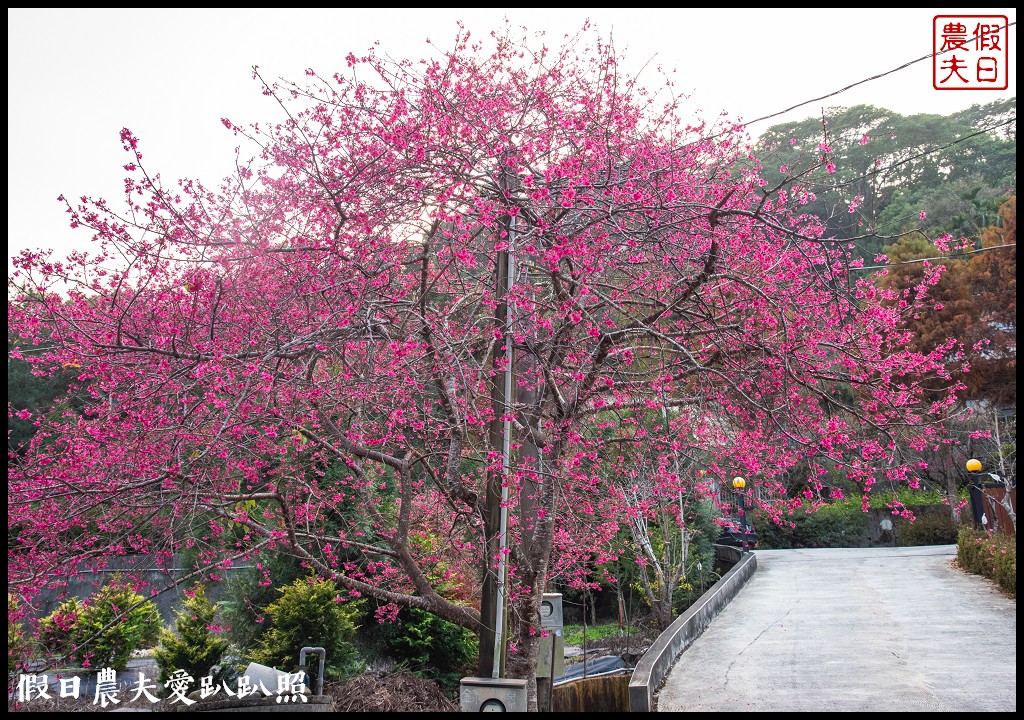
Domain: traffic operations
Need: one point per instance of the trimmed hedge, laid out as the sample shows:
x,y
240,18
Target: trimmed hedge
x,y
992,555
837,525
845,524
933,525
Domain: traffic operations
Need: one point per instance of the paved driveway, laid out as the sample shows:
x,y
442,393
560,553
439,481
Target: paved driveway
x,y
879,629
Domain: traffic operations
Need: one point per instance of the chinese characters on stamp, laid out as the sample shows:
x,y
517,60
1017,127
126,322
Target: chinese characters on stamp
x,y
970,52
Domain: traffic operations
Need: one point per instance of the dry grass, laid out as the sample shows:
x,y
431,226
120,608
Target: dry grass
x,y
389,692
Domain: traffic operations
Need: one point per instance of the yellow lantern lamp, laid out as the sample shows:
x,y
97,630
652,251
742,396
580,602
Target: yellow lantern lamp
x,y
973,465
738,483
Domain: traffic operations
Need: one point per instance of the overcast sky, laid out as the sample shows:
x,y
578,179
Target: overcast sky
x,y
77,76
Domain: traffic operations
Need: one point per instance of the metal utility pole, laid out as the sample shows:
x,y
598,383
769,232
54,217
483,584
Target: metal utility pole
x,y
506,444
494,598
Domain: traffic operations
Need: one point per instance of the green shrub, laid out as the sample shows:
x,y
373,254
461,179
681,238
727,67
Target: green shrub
x,y
61,631
16,643
310,613
909,497
428,646
250,591
104,630
931,526
192,646
840,524
989,554
844,524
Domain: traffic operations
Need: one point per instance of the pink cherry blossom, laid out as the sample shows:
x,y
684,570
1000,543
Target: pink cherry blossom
x,y
308,357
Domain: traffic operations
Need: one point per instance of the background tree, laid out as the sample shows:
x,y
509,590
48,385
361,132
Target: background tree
x,y
32,395
900,181
885,168
310,360
975,300
992,275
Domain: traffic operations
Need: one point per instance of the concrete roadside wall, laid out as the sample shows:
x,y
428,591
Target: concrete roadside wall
x,y
652,668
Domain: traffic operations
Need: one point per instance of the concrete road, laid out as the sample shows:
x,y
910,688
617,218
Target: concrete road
x,y
854,630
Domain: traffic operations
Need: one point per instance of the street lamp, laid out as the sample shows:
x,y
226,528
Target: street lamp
x,y
974,467
738,483
977,490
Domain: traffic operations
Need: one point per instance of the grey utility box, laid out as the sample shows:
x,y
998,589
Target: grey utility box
x,y
551,653
551,610
492,695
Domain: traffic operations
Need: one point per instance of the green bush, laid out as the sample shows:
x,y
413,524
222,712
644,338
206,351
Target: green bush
x,y
989,554
104,630
932,526
428,646
250,591
844,524
192,646
16,643
310,613
840,524
908,496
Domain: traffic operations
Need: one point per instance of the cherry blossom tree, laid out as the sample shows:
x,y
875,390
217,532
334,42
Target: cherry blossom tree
x,y
311,358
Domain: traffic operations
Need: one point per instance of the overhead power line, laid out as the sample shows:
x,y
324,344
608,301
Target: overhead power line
x,y
904,66
925,153
940,258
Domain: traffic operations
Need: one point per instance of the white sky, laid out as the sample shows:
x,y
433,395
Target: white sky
x,y
77,76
